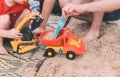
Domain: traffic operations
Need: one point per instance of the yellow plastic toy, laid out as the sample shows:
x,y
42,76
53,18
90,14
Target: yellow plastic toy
x,y
28,42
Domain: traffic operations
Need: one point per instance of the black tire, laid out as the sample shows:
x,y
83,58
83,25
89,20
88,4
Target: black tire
x,y
50,52
70,55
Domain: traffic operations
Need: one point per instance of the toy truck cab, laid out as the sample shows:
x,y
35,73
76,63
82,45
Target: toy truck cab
x,y
64,43
73,47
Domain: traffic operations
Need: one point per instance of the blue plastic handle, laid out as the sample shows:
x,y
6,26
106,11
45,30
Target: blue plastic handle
x,y
60,25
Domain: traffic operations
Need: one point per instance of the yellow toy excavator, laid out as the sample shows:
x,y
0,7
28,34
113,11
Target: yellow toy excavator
x,y
28,41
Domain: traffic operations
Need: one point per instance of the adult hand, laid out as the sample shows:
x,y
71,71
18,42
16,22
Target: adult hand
x,y
72,10
38,30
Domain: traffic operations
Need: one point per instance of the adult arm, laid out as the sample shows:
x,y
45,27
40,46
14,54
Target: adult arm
x,y
98,6
102,6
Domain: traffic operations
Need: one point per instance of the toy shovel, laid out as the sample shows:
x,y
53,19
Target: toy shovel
x,y
61,24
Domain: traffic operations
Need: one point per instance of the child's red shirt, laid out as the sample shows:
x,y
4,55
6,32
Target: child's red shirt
x,y
13,11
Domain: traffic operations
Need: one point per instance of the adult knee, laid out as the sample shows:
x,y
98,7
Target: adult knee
x,y
63,2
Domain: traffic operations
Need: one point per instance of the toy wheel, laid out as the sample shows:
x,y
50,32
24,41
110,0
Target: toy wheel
x,y
49,52
70,55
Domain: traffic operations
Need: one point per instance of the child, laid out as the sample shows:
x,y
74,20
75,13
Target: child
x,y
11,13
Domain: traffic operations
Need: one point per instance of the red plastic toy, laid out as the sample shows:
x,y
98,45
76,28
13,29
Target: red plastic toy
x,y
64,43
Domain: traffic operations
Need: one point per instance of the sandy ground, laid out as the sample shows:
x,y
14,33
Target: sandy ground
x,y
101,57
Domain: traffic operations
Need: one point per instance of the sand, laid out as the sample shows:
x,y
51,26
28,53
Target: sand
x,y
101,57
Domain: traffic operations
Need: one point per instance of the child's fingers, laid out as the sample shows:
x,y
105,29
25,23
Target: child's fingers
x,y
19,34
16,31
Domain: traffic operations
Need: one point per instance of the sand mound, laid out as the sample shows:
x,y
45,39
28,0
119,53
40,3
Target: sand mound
x,y
101,58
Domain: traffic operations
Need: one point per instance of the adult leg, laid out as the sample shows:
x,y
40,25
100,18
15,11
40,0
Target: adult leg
x,y
64,2
4,24
93,33
46,11
96,19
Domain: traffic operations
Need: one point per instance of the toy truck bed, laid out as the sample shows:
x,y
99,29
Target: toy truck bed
x,y
55,42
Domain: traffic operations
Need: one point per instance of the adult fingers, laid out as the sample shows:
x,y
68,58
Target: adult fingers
x,y
65,10
63,13
71,11
74,14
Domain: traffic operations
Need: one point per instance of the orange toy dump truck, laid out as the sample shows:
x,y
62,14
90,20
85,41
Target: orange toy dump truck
x,y
64,43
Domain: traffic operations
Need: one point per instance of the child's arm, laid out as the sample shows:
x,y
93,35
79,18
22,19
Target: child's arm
x,y
25,12
10,33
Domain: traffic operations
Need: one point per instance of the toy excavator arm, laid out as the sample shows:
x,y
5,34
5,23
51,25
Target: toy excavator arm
x,y
24,20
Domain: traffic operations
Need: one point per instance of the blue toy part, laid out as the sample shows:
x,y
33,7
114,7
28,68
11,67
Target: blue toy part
x,y
59,51
60,25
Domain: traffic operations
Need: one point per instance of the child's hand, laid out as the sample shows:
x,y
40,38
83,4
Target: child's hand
x,y
13,33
